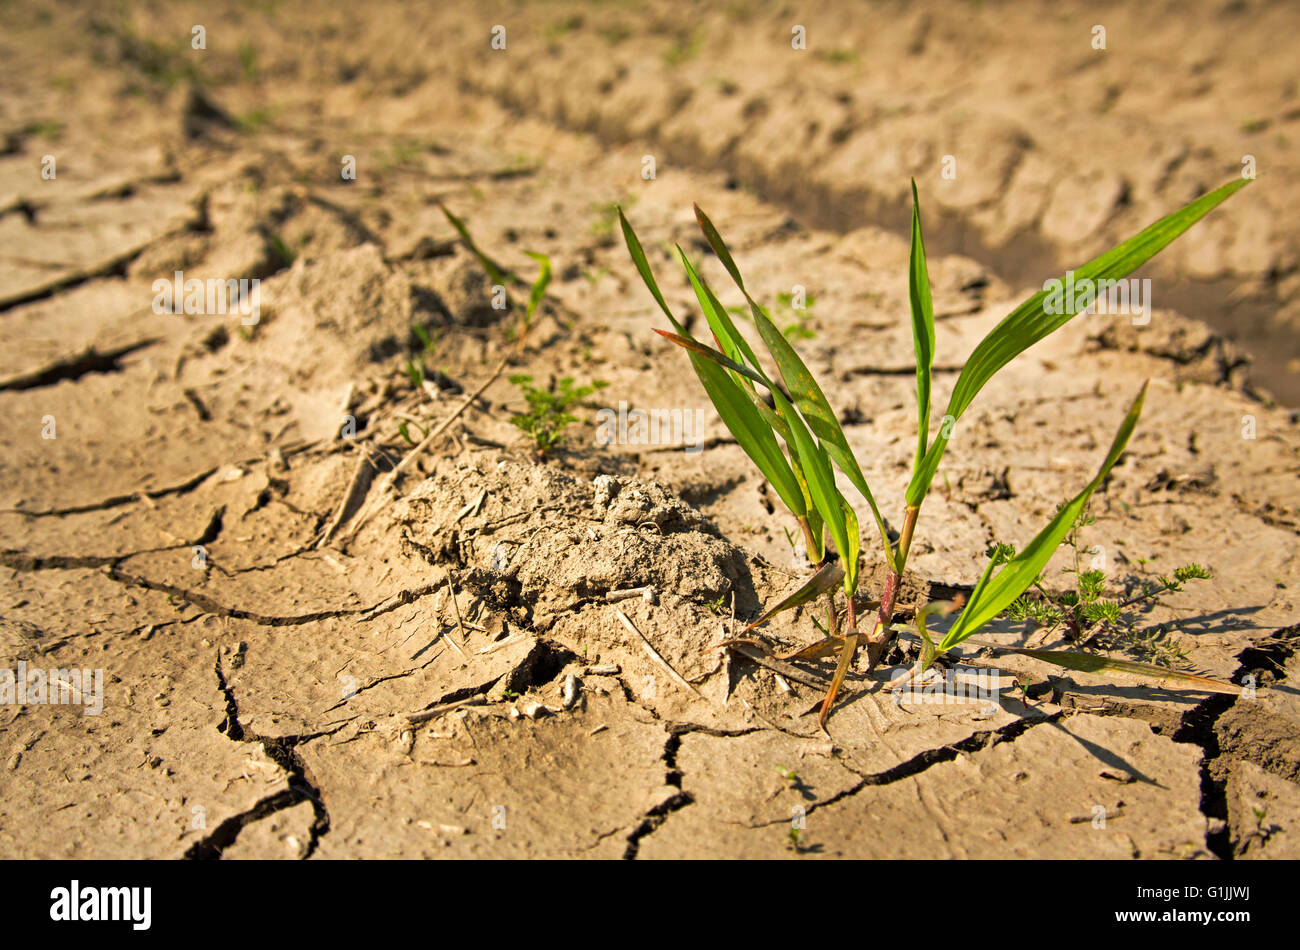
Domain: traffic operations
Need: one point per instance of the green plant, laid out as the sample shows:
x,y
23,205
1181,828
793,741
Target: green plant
x,y
500,276
814,444
247,61
416,370
548,409
50,129
607,216
249,122
685,46
1087,615
797,328
282,250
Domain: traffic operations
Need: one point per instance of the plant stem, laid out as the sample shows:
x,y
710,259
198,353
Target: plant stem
x,y
809,542
883,633
1155,591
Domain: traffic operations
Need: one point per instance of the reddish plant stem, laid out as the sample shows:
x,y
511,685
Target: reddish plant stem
x,y
882,635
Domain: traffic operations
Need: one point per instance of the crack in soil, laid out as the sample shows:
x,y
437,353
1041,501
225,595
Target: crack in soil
x,y
281,750
924,760
22,561
73,368
657,815
181,488
237,613
1198,728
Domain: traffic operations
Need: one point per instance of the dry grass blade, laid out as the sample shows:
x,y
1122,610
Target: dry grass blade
x,y
754,653
1092,663
655,655
841,669
425,715
820,583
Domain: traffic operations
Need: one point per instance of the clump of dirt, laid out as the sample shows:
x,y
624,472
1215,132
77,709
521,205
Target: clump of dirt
x,y
548,542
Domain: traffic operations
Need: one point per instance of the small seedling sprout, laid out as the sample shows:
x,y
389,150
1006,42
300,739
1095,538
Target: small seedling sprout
x,y
548,409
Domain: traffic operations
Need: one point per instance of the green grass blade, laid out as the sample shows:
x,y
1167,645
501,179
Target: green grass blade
x,y
820,583
695,346
755,436
853,537
994,593
816,526
731,400
643,268
816,467
922,328
1091,663
1030,322
928,650
719,247
720,322
539,286
803,388
738,349
495,271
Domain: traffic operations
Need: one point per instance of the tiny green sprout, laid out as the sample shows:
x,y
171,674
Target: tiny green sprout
x,y
548,409
404,431
787,427
509,694
686,46
798,329
1088,616
1024,689
839,56
249,122
429,341
607,217
789,775
404,153
247,61
282,249
415,373
49,129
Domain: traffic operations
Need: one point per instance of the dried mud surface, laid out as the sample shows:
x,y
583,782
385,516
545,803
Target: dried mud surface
x,y
193,528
